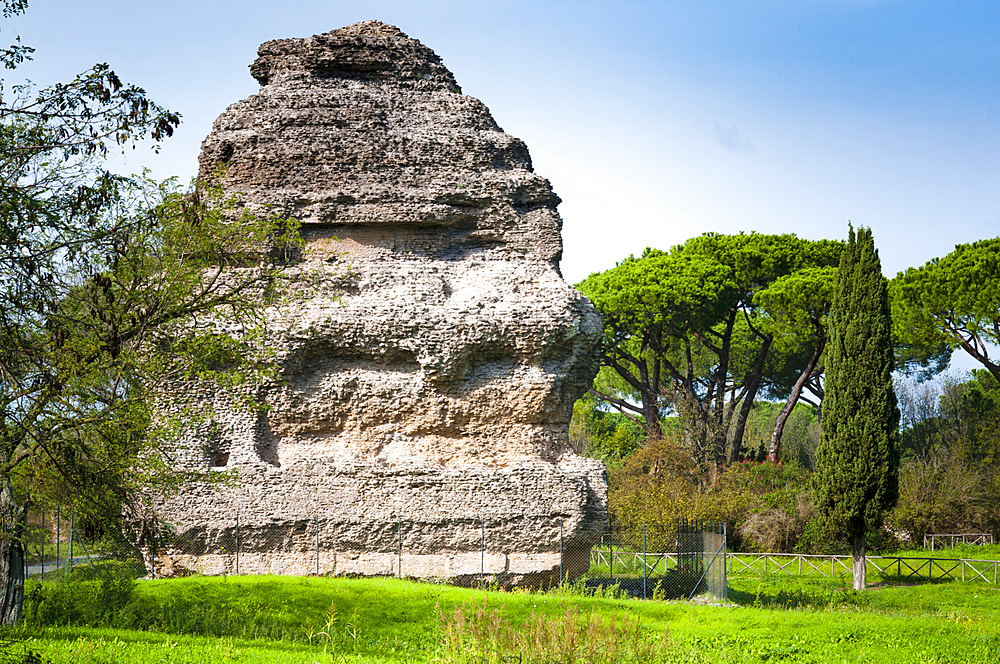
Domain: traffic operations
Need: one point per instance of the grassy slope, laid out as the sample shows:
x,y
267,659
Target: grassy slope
x,y
268,619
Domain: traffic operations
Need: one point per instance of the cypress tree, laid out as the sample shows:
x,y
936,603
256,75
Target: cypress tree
x,y
857,464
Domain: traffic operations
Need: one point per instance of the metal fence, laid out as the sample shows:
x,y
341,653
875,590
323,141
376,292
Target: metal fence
x,y
53,544
680,562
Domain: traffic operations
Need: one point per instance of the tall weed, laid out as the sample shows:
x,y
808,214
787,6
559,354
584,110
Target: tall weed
x,y
474,633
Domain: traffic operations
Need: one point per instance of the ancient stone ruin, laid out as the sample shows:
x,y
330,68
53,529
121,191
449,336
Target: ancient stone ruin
x,y
433,352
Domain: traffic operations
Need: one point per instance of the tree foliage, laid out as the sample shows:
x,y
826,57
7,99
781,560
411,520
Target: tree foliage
x,y
110,287
950,443
689,331
858,459
659,484
952,302
797,306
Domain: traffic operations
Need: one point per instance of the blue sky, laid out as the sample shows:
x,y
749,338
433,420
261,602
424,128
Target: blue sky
x,y
655,121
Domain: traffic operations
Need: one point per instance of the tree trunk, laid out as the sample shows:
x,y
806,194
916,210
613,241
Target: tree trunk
x,y
793,398
973,350
860,563
651,417
647,387
718,436
13,523
748,399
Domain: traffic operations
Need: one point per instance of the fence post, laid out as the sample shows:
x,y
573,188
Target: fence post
x,y
644,561
69,556
90,560
725,577
561,577
152,550
58,531
611,550
482,553
317,544
237,545
25,542
399,548
43,543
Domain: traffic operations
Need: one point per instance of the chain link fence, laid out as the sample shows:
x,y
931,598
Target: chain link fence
x,y
664,563
684,561
56,543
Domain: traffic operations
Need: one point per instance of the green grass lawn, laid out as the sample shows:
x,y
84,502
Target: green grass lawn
x,y
983,552
290,619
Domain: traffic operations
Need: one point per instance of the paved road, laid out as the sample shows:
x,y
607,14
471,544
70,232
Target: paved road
x,y
50,565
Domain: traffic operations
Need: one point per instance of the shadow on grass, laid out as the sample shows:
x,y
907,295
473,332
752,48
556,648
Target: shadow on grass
x,y
773,594
674,584
904,580
70,634
619,587
783,599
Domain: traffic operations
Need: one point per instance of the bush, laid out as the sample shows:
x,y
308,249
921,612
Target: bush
x,y
775,485
814,541
774,529
98,596
937,497
659,485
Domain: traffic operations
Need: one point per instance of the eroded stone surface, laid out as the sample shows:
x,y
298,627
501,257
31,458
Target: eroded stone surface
x,y
432,352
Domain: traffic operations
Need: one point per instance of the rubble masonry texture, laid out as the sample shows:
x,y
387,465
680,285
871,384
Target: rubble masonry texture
x,y
433,352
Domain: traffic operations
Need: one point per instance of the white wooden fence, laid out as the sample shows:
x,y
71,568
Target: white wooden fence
x,y
951,540
800,564
901,567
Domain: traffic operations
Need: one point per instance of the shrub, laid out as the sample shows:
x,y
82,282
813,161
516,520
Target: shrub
x,y
98,596
937,497
774,529
813,541
775,485
658,485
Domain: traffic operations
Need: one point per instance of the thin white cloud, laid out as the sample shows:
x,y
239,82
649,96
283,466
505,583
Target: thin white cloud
x,y
731,140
